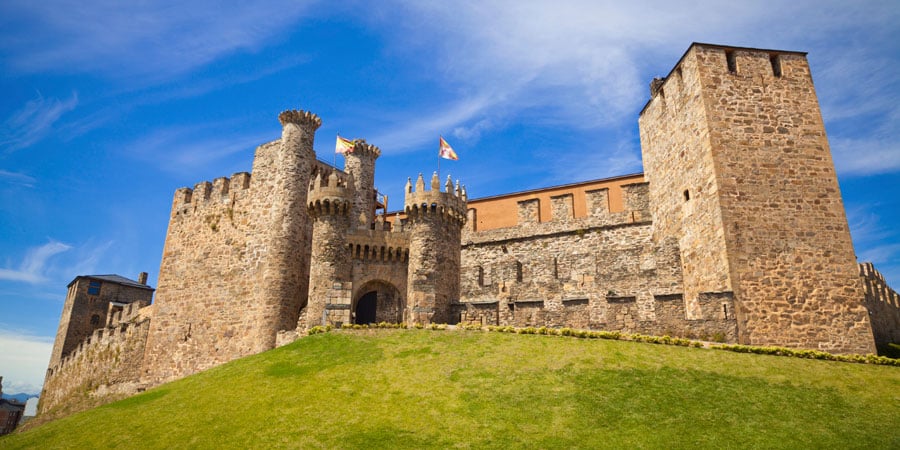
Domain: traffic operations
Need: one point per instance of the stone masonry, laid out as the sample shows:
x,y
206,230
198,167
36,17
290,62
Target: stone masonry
x,y
736,233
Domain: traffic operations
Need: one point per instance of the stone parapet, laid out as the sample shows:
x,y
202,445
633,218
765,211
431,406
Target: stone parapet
x,y
330,196
449,205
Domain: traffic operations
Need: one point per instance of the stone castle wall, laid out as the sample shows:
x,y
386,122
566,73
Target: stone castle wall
x,y
735,150
883,304
108,361
603,271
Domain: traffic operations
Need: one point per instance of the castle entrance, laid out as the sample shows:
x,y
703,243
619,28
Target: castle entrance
x,y
377,301
366,308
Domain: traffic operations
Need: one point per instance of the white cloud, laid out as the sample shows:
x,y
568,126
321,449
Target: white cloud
x,y
145,39
34,265
24,360
17,178
31,123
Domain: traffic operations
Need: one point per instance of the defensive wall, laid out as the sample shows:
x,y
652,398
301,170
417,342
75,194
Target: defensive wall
x,y
601,271
108,361
883,305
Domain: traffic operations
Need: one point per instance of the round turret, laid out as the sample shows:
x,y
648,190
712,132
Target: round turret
x,y
360,162
434,221
334,197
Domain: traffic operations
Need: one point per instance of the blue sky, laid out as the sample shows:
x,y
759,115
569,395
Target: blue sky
x,y
107,107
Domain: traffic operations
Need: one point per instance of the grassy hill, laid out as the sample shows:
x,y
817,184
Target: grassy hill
x,y
422,388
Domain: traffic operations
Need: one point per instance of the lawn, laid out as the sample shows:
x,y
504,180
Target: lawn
x,y
474,389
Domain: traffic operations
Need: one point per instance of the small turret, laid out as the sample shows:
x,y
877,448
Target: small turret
x,y
434,222
360,163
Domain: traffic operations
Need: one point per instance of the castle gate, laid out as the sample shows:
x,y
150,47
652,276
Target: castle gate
x,y
377,301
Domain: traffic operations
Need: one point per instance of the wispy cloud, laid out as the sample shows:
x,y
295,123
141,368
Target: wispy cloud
x,y
33,121
24,360
33,267
408,133
16,178
581,64
189,149
150,40
866,155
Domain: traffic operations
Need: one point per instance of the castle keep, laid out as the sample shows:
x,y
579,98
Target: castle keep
x,y
735,232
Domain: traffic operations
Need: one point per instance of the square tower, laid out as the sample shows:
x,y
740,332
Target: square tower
x,y
740,172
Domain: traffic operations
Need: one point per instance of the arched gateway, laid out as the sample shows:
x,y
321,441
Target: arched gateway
x,y
377,301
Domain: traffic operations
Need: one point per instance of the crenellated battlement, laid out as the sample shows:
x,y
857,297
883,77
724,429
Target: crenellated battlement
x,y
450,204
300,118
363,149
221,190
330,196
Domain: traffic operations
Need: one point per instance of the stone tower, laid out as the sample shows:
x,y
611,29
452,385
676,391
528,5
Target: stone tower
x,y
361,164
740,171
235,266
435,220
286,277
331,276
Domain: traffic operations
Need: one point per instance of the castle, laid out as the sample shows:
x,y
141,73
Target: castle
x,y
735,232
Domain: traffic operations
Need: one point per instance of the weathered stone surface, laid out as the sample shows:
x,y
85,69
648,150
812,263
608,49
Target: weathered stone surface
x,y
740,171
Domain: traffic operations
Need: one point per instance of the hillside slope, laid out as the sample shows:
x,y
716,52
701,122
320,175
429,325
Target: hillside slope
x,y
421,388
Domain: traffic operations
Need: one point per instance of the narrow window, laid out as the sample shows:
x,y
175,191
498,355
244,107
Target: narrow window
x,y
678,74
732,63
555,268
687,195
480,276
95,320
94,288
725,310
518,271
776,64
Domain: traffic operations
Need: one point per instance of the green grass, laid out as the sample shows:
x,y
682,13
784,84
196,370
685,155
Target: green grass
x,y
470,389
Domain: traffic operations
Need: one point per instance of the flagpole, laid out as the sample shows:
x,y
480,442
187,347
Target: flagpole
x,y
334,157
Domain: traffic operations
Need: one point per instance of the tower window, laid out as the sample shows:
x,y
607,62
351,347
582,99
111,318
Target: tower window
x,y
95,320
687,195
94,288
518,271
776,64
732,63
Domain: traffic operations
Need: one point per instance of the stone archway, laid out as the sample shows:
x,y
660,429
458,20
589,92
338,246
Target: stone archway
x,y
377,301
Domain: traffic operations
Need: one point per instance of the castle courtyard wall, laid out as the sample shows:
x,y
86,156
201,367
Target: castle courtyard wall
x,y
599,272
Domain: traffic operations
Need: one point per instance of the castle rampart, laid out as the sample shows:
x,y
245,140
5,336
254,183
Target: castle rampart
x,y
107,362
883,305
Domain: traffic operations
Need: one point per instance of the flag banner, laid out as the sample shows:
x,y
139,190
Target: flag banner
x,y
343,145
446,151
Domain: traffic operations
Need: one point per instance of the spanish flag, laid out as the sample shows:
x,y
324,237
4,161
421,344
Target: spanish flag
x,y
446,151
343,145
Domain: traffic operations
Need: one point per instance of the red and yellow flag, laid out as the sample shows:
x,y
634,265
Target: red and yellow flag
x,y
343,145
446,151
